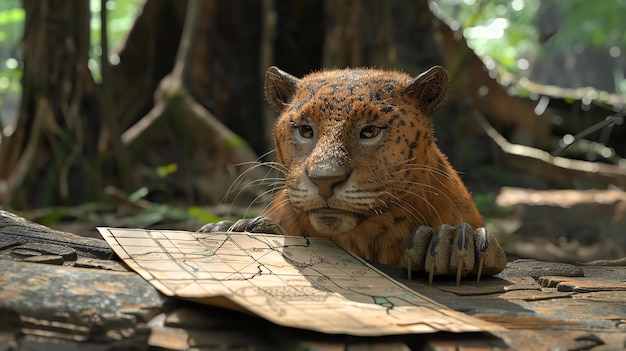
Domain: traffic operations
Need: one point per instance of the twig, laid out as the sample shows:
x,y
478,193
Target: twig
x,y
616,119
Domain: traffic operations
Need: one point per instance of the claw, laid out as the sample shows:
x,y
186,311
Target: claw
x,y
454,251
222,226
462,254
438,254
259,224
416,249
429,264
408,267
480,240
264,224
239,226
481,261
491,257
253,223
459,272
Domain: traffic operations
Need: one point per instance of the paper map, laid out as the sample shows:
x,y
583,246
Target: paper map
x,y
306,283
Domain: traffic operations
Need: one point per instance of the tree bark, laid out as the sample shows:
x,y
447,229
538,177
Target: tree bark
x,y
204,148
52,145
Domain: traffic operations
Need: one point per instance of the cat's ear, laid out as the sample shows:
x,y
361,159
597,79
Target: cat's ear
x,y
429,89
279,87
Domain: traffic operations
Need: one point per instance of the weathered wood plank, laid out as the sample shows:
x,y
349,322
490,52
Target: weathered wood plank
x,y
583,284
15,230
542,316
74,304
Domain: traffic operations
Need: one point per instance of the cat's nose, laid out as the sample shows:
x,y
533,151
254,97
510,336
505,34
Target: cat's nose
x,y
326,184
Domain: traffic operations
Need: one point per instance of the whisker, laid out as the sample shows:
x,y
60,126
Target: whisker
x,y
270,180
410,161
409,210
426,188
421,167
274,206
382,202
272,190
257,183
399,163
241,177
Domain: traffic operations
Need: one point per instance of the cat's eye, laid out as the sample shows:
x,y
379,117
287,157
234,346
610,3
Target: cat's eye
x,y
369,132
305,131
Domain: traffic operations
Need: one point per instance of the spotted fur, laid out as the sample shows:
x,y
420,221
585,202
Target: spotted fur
x,y
361,160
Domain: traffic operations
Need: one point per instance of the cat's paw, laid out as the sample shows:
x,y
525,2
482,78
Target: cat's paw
x,y
259,224
454,250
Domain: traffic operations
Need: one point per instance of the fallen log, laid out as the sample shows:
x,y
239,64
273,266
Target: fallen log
x,y
16,231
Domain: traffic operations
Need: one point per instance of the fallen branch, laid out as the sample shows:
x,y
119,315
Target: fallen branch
x,y
15,230
558,171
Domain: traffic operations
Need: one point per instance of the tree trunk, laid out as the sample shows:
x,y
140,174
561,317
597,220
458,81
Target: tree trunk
x,y
180,130
53,146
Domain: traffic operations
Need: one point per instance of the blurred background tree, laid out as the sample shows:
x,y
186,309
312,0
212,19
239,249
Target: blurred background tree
x,y
161,101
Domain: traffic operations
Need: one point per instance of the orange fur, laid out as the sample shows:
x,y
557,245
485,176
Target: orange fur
x,y
372,127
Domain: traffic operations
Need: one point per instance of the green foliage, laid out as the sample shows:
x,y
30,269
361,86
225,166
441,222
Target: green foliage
x,y
495,175
596,24
10,15
139,194
11,29
501,30
484,202
109,214
235,142
164,171
202,215
53,217
505,33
